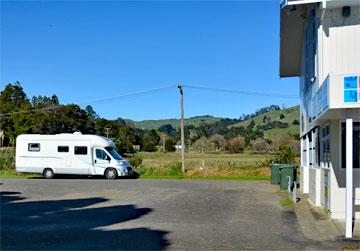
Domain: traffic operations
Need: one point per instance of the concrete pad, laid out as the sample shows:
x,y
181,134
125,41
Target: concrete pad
x,y
96,214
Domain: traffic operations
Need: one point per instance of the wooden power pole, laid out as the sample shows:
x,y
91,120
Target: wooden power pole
x,y
182,128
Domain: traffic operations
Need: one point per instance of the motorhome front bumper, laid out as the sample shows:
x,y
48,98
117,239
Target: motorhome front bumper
x,y
127,171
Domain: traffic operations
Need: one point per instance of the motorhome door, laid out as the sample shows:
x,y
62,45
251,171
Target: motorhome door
x,y
101,159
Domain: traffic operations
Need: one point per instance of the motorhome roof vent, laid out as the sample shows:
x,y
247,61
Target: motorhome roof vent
x,y
77,133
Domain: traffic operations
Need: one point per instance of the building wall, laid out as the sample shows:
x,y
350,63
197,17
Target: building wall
x,y
338,43
330,47
338,175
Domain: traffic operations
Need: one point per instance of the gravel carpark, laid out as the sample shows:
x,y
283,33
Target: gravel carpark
x,y
97,214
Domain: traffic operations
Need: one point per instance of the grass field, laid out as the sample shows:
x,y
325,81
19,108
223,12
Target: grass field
x,y
206,165
168,165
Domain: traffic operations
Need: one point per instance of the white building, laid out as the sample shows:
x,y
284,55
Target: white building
x,y
320,44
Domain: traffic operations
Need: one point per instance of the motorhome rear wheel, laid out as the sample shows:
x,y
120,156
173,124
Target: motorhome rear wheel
x,y
48,173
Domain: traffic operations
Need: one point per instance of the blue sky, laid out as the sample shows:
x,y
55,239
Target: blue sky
x,y
84,51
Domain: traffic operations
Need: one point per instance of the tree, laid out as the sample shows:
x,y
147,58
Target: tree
x,y
63,119
168,129
264,119
282,116
44,101
125,138
235,145
218,142
170,145
14,99
202,145
285,155
121,121
296,122
150,140
91,113
251,125
280,141
260,145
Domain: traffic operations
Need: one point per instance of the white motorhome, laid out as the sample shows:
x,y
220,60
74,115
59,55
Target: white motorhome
x,y
69,154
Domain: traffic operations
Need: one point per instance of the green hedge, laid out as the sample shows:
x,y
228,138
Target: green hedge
x,y
7,159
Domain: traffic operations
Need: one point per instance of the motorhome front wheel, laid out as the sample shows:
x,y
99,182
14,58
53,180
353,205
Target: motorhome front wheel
x,y
110,173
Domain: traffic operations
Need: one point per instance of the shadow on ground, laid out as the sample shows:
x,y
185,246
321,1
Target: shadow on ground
x,y
73,176
70,225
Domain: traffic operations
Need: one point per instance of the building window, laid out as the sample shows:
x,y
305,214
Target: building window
x,y
34,147
356,145
80,150
304,160
63,149
310,149
325,146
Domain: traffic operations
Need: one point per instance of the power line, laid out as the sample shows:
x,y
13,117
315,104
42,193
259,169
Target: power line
x,y
92,101
241,92
102,100
128,95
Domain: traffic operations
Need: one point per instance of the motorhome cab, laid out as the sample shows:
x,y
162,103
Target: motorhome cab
x,y
69,154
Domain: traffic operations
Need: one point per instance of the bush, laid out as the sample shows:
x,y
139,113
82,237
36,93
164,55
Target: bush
x,y
281,140
285,155
124,147
296,122
170,169
174,169
7,159
135,159
149,147
260,145
169,145
235,145
217,141
202,145
282,116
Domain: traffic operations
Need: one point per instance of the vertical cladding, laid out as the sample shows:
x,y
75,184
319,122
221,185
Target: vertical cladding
x,y
335,40
340,45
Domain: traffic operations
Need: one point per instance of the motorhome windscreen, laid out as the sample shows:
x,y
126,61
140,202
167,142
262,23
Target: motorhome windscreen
x,y
113,153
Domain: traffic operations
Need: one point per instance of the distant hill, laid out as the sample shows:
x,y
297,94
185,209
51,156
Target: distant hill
x,y
155,124
290,114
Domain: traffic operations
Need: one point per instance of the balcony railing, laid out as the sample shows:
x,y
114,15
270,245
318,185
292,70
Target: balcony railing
x,y
336,92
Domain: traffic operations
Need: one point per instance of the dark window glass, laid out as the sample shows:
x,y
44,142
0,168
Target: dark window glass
x,y
113,153
63,149
34,147
101,154
356,145
80,150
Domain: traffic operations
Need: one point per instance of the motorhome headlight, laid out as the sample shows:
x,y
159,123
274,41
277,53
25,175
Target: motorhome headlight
x,y
123,170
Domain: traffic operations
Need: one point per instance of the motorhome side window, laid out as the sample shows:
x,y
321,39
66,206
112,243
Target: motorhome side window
x,y
101,154
63,149
80,150
34,147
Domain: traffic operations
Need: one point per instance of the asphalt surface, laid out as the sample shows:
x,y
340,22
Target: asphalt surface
x,y
96,214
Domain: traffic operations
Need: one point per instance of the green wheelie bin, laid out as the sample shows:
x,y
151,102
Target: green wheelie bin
x,y
286,171
275,173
